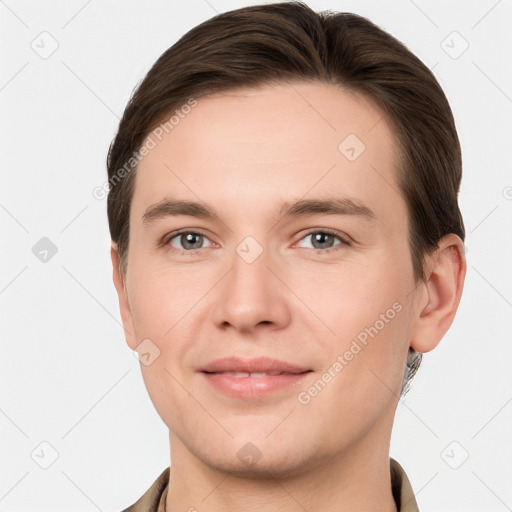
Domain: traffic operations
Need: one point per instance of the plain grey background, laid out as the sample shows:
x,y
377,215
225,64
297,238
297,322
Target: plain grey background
x,y
78,430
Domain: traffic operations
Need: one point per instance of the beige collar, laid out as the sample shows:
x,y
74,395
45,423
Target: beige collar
x,y
154,498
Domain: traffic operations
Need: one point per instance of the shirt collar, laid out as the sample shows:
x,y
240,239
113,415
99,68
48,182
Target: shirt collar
x,y
401,489
154,498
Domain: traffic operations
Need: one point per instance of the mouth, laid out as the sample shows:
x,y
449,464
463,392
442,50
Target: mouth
x,y
253,378
237,366
241,375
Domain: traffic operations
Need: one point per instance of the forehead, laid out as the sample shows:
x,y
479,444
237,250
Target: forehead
x,y
255,146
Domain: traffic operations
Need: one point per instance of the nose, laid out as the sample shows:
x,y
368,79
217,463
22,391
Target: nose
x,y
251,297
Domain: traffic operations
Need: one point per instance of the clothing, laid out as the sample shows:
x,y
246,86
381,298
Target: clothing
x,y
153,499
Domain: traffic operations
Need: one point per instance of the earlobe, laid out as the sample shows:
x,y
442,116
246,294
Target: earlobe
x,y
124,305
441,291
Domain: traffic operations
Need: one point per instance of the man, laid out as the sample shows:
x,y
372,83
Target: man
x,y
286,244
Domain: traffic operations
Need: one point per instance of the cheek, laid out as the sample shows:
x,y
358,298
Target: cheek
x,y
170,400
161,299
352,295
366,310
363,374
161,311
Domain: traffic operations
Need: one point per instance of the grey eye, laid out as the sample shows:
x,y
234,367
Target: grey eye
x,y
188,241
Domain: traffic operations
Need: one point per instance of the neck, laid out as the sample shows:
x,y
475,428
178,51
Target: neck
x,y
355,479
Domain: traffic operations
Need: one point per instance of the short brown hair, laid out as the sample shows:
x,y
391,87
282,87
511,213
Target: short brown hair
x,y
289,42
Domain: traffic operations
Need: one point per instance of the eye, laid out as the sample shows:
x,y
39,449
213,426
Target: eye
x,y
188,241
324,240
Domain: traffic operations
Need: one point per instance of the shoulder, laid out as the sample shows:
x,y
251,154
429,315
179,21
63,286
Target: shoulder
x,y
150,500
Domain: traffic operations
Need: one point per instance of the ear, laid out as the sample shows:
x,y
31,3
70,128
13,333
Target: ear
x,y
124,305
440,294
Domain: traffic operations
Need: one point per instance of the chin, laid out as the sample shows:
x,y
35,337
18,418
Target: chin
x,y
258,460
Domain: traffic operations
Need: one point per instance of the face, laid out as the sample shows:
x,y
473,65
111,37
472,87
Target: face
x,y
296,251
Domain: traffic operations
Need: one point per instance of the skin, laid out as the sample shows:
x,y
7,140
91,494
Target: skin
x,y
246,153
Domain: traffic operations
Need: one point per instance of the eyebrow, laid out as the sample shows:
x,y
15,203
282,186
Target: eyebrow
x,y
301,208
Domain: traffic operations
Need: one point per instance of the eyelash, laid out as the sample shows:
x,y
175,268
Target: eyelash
x,y
167,238
343,241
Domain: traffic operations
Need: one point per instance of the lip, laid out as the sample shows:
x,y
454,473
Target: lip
x,y
255,365
281,375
